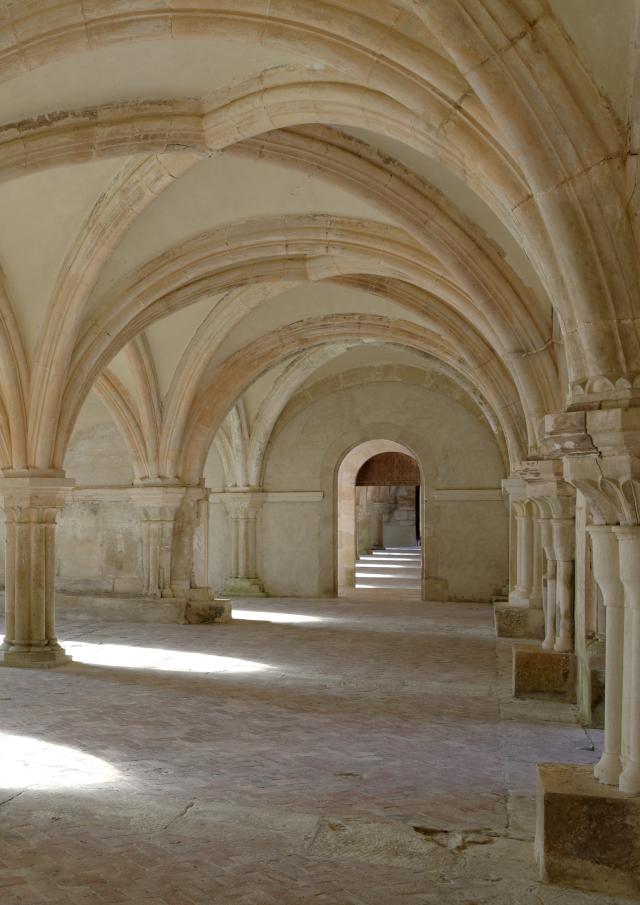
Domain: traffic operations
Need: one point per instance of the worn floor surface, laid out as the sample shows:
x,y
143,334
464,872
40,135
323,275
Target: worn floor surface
x,y
350,753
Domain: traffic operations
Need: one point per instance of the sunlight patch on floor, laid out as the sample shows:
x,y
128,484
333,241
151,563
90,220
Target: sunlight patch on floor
x,y
31,762
133,657
260,616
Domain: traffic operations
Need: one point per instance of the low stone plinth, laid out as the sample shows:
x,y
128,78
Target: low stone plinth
x,y
544,673
163,610
587,834
207,612
518,621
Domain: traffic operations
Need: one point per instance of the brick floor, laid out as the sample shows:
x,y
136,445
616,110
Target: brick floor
x,y
376,759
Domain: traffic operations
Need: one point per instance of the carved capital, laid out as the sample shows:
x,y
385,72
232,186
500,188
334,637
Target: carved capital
x,y
603,462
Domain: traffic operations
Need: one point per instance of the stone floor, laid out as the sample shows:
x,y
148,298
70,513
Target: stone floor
x,y
348,753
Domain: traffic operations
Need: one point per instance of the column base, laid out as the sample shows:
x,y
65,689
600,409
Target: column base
x,y
34,658
587,834
245,587
436,589
518,621
541,673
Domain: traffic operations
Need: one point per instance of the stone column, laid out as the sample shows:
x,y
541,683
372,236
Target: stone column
x,y
606,570
524,557
31,506
563,533
546,540
243,506
629,547
158,505
535,595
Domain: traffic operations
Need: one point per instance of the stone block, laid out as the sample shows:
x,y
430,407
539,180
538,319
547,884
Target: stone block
x,y
544,673
206,612
587,834
518,622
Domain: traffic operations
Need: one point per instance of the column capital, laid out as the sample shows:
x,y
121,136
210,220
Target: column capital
x,y
546,486
515,487
34,492
243,502
600,450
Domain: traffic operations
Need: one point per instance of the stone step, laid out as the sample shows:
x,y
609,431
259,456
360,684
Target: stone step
x,y
398,568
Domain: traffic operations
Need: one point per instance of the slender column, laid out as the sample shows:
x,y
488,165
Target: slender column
x,y
629,547
524,541
563,531
31,506
158,506
606,571
535,597
243,507
546,539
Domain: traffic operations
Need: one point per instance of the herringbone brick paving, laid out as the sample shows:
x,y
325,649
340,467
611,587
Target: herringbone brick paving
x,y
377,760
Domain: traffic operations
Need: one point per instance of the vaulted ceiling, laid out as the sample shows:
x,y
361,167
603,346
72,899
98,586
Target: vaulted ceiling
x,y
209,205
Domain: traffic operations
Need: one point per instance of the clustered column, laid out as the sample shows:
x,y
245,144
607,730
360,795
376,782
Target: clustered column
x,y
616,567
606,470
243,507
31,506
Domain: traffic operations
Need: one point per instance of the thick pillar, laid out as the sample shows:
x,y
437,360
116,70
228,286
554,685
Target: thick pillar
x,y
629,548
158,505
243,507
606,570
31,506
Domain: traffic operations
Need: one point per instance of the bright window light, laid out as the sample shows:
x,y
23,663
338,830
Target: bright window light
x,y
30,762
275,617
134,657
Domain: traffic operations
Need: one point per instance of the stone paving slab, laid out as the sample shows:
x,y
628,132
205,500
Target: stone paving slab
x,y
364,752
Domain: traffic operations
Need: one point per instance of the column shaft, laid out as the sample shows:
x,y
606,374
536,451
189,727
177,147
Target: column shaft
x,y
629,547
606,571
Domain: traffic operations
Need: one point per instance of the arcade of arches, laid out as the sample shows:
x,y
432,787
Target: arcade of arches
x,y
284,283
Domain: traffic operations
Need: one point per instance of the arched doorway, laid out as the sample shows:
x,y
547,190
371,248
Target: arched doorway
x,y
362,528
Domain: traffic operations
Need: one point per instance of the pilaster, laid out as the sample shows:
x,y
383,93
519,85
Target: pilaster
x,y
158,504
243,506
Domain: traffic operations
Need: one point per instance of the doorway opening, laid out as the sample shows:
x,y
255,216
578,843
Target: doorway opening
x,y
380,520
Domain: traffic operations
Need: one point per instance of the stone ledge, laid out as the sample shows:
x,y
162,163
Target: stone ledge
x,y
587,834
162,610
544,673
518,621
